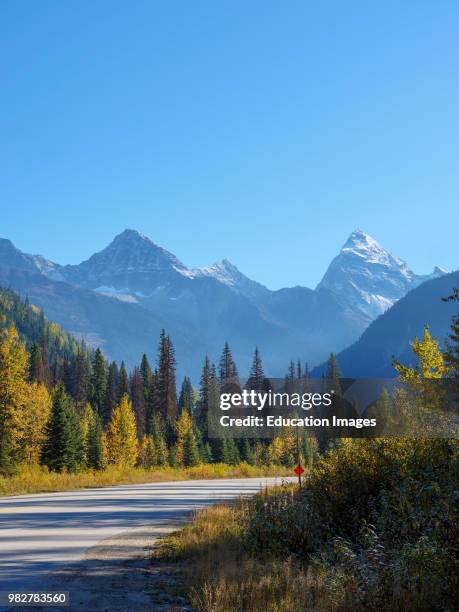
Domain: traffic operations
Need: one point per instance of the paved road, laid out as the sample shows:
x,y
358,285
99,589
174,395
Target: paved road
x,y
42,536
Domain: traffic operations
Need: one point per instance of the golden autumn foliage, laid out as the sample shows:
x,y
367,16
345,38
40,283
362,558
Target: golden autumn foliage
x,y
29,423
122,435
25,406
431,360
183,427
14,364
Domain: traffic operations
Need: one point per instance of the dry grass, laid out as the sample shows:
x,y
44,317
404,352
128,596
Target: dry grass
x,y
220,575
374,529
37,479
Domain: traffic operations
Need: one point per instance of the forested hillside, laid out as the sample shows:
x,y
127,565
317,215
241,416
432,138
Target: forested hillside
x,y
66,407
389,336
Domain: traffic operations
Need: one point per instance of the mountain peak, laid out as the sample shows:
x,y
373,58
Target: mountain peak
x,y
227,273
132,234
363,245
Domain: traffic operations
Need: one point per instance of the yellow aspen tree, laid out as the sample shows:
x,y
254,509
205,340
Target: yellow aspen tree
x,y
86,424
431,360
29,422
14,366
183,427
122,435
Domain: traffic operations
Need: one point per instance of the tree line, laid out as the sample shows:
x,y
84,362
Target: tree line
x,y
66,407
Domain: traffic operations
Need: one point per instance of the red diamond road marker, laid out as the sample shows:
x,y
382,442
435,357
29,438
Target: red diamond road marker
x,y
298,470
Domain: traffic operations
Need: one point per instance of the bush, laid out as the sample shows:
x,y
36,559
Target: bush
x,y
373,529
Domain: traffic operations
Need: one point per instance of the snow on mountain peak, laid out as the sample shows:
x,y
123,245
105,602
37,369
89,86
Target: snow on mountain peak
x,y
363,245
227,273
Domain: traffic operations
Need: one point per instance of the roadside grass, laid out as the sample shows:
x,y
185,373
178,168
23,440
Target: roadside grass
x,y
374,528
219,573
38,479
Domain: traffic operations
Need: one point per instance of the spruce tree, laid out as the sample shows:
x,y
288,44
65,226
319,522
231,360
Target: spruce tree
x,y
206,453
45,370
152,401
99,384
186,397
80,377
111,397
190,450
333,374
63,447
247,452
257,380
227,367
233,452
172,458
123,382
35,368
146,374
203,403
138,402
95,455
452,344
157,437
167,393
221,451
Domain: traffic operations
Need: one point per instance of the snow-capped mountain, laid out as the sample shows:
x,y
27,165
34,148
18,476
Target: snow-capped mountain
x,y
135,281
131,263
369,277
227,273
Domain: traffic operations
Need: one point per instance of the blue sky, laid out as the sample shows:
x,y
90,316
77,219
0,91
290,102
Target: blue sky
x,y
263,132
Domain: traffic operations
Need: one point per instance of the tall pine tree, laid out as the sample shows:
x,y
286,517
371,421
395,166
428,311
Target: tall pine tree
x,y
99,384
227,367
63,448
138,402
167,393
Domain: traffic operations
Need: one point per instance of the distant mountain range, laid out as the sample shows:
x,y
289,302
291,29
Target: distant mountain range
x,y
390,334
121,297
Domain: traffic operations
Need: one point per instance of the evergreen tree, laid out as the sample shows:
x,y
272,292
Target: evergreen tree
x,y
452,344
221,450
159,442
123,382
190,450
172,458
152,401
99,384
80,378
257,380
45,370
227,367
233,452
146,374
138,402
186,397
206,453
333,373
63,447
95,455
36,367
203,402
167,393
247,452
111,397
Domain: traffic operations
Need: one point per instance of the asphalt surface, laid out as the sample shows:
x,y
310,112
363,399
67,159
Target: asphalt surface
x,y
48,535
